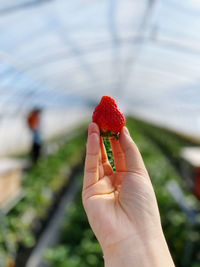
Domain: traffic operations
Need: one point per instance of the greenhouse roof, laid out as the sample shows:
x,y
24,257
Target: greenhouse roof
x,y
145,53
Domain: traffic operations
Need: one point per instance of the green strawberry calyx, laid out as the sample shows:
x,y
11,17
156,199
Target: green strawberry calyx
x,y
109,134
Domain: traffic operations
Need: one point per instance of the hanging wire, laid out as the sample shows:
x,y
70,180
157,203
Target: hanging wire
x,y
116,41
134,55
13,7
180,7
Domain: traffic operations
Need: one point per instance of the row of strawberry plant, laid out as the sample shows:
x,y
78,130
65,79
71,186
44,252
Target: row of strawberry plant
x,y
175,222
79,247
170,142
41,185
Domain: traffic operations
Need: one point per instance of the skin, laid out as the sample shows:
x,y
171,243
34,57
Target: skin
x,y
121,206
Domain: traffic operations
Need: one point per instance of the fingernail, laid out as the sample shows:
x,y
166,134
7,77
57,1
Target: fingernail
x,y
126,131
93,128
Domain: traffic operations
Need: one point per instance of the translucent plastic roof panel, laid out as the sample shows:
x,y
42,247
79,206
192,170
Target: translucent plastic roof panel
x,y
144,52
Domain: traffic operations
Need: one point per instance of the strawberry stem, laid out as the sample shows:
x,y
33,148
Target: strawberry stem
x,y
109,152
109,134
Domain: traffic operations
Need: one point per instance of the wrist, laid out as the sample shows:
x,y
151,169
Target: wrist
x,y
140,252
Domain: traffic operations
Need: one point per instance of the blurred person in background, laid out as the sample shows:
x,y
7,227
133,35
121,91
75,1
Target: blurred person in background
x,y
33,121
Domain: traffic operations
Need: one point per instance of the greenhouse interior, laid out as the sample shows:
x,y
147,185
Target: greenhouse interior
x,y
57,59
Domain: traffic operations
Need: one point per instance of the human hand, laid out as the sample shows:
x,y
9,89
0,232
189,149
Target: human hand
x,y
121,206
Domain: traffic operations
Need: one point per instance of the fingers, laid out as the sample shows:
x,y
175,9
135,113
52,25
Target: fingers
x,y
91,172
133,159
118,154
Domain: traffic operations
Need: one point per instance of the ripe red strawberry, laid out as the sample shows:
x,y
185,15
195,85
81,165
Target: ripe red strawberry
x,y
108,117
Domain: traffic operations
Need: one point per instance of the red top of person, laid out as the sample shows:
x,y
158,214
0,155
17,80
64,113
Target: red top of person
x,y
33,119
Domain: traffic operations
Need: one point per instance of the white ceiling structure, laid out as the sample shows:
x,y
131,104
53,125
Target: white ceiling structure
x,y
144,52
